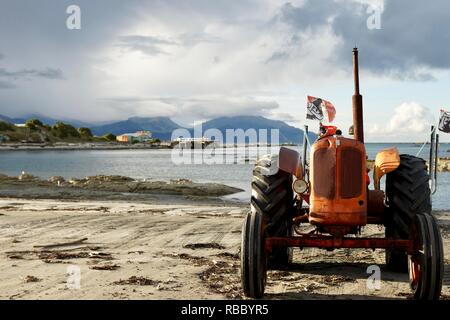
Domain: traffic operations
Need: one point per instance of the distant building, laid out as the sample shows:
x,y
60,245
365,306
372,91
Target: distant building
x,y
192,143
20,125
139,136
124,137
143,136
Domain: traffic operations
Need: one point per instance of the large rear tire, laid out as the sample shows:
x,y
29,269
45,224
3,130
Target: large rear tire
x,y
272,197
408,194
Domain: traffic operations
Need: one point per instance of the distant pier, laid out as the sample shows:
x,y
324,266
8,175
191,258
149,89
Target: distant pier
x,y
191,143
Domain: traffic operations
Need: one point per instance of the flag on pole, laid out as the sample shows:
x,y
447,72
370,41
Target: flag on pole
x,y
444,121
319,109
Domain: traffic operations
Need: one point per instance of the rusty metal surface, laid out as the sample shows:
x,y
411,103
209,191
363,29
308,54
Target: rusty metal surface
x,y
375,206
358,118
325,172
358,125
356,70
290,161
338,210
327,242
338,218
386,161
350,177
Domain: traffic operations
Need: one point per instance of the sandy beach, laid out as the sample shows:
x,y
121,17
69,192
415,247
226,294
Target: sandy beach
x,y
166,250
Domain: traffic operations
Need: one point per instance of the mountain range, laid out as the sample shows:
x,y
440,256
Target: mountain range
x,y
287,133
162,127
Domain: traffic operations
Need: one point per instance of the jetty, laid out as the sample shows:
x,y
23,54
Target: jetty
x,y
191,143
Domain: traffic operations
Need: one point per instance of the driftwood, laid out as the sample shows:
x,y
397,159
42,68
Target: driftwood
x,y
65,244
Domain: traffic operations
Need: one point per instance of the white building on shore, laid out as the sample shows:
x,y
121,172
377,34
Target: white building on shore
x,y
139,136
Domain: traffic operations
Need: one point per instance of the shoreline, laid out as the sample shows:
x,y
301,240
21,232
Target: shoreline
x,y
74,146
115,188
80,146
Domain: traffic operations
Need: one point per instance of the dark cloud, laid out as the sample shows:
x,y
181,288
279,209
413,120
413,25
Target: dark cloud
x,y
312,15
2,56
413,35
6,85
48,73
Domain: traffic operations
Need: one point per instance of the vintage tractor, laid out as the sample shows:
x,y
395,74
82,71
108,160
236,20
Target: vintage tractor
x,y
331,192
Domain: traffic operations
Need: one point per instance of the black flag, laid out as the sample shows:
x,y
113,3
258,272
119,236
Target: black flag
x,y
444,121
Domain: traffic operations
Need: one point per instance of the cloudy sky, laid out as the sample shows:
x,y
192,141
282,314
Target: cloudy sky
x,y
195,60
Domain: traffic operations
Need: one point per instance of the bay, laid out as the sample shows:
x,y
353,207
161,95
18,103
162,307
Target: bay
x,y
159,165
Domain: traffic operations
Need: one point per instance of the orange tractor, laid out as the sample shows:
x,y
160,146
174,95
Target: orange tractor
x,y
331,192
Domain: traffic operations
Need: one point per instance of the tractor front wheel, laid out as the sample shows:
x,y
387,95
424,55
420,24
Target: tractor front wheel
x,y
272,205
426,264
253,257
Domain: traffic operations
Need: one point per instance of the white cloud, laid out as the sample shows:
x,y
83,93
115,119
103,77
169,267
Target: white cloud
x,y
410,121
188,110
210,107
216,74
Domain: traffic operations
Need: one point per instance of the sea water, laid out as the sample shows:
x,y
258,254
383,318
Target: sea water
x,y
158,164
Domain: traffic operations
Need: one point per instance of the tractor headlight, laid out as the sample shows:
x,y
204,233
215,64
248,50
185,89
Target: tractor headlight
x,y
300,186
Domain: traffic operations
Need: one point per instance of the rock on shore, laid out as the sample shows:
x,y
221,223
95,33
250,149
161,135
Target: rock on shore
x,y
175,187
121,184
443,165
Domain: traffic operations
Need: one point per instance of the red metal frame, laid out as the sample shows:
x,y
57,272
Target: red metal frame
x,y
329,242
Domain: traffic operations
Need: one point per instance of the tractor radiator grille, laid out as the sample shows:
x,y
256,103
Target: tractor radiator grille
x,y
350,177
325,172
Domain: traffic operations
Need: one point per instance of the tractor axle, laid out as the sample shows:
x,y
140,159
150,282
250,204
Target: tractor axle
x,y
328,242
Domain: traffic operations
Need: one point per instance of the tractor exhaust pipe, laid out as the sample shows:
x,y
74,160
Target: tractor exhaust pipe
x,y
358,126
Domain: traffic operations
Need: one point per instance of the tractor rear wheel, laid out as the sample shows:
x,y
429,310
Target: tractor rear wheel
x,y
425,264
273,198
408,194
